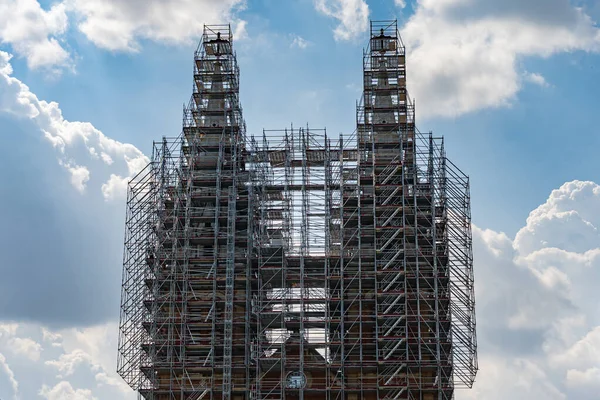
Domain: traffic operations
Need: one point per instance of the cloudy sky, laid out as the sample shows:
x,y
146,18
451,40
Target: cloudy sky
x,y
86,85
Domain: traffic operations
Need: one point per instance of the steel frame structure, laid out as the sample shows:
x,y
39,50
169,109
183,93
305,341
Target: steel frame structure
x,y
293,265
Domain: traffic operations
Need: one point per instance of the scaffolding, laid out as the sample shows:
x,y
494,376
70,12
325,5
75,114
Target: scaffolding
x,y
293,264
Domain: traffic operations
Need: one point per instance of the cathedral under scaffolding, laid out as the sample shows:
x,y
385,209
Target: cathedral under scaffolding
x,y
295,264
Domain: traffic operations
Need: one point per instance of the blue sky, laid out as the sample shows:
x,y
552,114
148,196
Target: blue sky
x,y
515,154
513,86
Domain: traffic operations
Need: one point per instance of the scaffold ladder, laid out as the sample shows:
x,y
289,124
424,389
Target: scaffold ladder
x,y
229,282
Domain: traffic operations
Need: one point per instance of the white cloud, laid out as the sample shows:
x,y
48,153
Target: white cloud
x,y
567,221
585,353
80,358
536,79
519,301
8,330
464,55
239,30
64,391
79,176
77,143
400,3
26,347
120,25
105,379
93,346
106,158
114,187
299,42
589,377
34,33
50,336
502,378
96,341
68,362
538,325
352,15
10,374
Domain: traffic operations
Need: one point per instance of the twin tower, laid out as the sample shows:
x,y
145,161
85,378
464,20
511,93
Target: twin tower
x,y
296,265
